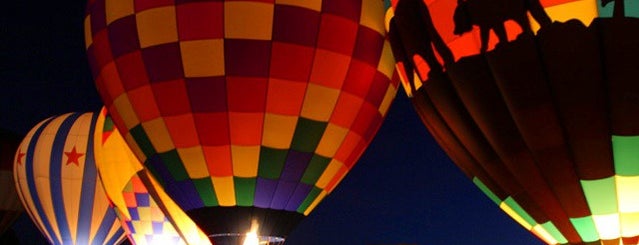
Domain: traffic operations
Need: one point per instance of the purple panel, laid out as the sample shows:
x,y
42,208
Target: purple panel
x,y
347,9
282,194
301,192
247,58
295,25
157,227
367,40
264,192
182,192
296,163
163,62
123,34
98,15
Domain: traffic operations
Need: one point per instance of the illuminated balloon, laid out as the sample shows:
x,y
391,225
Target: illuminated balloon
x,y
243,110
10,206
141,210
545,125
58,183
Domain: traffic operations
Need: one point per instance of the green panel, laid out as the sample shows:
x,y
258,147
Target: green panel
x,y
271,162
309,199
128,188
601,195
625,150
315,169
205,189
172,161
520,211
142,140
108,124
307,135
244,191
552,230
631,8
605,11
486,191
585,226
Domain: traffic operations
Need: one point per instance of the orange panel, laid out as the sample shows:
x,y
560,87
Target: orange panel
x,y
218,160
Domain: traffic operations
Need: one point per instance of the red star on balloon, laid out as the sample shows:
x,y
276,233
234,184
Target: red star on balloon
x,y
20,156
73,156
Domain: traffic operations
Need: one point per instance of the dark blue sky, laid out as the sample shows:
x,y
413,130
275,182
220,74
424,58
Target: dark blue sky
x,y
403,190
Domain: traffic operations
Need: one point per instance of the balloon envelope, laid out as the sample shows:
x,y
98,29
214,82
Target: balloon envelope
x,y
148,215
544,125
243,110
58,183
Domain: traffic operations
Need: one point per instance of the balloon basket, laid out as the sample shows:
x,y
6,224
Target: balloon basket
x,y
241,239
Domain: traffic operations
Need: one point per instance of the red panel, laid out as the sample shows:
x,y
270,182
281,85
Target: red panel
x,y
101,49
141,5
218,160
367,40
337,34
347,9
345,110
113,88
171,98
295,25
207,94
378,89
350,142
358,78
364,118
200,20
213,128
246,94
132,70
291,62
285,97
143,102
246,128
182,130
247,57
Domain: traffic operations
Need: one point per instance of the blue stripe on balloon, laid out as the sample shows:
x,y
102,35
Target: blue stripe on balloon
x,y
55,177
114,239
87,194
32,185
108,219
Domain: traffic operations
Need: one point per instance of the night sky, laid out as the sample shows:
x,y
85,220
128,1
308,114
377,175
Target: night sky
x,y
404,190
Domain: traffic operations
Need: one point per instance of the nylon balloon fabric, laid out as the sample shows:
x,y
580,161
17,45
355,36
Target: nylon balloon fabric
x,y
58,183
544,124
243,109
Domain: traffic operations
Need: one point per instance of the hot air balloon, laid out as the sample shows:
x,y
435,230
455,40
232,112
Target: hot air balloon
x,y
148,215
10,206
545,125
58,183
248,113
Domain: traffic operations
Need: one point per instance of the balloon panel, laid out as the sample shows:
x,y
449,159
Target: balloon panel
x,y
58,183
268,106
147,217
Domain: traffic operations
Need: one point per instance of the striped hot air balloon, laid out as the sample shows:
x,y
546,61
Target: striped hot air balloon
x,y
243,110
58,183
147,214
546,125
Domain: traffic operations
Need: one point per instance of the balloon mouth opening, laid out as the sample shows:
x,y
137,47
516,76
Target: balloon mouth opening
x,y
245,239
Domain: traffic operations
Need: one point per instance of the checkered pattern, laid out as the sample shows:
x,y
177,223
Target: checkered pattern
x,y
147,223
249,103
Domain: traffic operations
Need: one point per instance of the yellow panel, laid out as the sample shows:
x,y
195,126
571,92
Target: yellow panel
x,y
202,58
372,15
629,224
388,99
156,26
126,111
584,10
245,160
224,190
278,130
195,163
329,173
387,62
248,20
331,140
317,200
88,35
543,234
117,9
627,194
160,138
507,209
388,16
607,226
309,4
319,102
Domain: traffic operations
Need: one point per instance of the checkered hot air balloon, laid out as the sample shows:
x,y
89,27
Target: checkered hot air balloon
x,y
58,183
10,206
545,124
147,214
245,111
